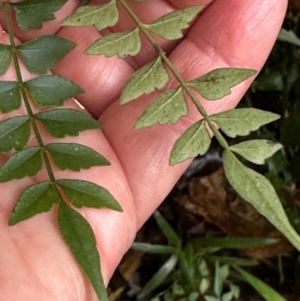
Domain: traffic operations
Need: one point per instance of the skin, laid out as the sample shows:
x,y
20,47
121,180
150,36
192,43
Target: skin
x,y
35,263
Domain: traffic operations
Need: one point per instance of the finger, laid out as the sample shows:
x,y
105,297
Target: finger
x,y
229,33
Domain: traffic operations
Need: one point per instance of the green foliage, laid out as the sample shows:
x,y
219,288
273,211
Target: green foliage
x,y
40,55
120,44
195,271
79,236
171,25
32,13
144,81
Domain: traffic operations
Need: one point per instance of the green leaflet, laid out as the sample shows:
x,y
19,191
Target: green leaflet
x,y
81,240
35,199
145,80
66,122
195,140
75,156
51,90
102,16
14,133
218,83
10,97
259,192
256,151
240,122
170,26
31,13
120,44
168,107
87,194
27,162
42,53
268,293
5,58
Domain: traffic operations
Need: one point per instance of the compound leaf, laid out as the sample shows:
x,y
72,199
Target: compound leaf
x,y
62,122
170,26
75,156
264,290
240,122
31,13
27,162
218,83
35,199
259,192
168,107
145,80
256,151
42,53
51,90
10,97
195,140
87,194
5,58
79,236
101,16
120,44
14,133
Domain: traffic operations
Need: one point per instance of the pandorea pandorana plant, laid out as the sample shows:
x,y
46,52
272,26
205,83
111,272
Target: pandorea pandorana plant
x,y
43,97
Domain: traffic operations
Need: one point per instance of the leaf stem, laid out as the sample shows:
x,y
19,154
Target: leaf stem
x,y
23,92
176,74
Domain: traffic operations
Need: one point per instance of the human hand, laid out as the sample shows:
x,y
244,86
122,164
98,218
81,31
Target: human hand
x,y
35,263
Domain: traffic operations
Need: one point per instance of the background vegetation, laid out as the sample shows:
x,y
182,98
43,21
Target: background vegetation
x,y
204,205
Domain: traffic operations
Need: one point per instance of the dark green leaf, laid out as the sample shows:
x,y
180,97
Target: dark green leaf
x,y
14,133
218,83
258,191
195,140
62,122
158,277
10,97
87,194
75,156
80,238
42,53
120,44
51,90
102,16
153,249
240,122
167,230
145,80
170,26
257,150
233,242
5,58
268,293
27,162
31,13
168,107
35,199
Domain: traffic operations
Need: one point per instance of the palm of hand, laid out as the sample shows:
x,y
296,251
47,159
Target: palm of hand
x,y
34,257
